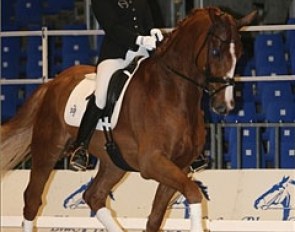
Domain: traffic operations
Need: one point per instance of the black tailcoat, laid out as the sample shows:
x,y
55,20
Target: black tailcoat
x,y
122,21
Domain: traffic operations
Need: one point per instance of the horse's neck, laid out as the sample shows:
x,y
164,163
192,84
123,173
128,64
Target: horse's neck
x,y
182,51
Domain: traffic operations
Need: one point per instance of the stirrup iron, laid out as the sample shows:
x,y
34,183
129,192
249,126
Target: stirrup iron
x,y
77,162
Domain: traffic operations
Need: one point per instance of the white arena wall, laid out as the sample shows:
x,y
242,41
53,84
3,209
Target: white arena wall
x,y
231,207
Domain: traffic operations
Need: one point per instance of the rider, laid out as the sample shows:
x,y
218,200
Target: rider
x,y
129,32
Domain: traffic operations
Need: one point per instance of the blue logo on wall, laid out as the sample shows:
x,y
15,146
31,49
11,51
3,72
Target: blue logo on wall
x,y
75,199
182,203
280,196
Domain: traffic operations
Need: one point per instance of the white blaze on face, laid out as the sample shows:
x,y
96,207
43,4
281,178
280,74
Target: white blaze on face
x,y
229,95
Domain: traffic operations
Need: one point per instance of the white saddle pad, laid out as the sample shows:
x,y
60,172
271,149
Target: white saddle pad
x,y
77,101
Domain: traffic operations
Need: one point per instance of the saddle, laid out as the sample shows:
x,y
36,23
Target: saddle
x,y
116,85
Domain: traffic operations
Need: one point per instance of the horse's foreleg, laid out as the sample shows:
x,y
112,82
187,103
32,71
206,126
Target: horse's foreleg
x,y
161,201
159,168
95,196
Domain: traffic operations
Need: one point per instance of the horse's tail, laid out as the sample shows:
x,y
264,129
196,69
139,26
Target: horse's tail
x,y
16,134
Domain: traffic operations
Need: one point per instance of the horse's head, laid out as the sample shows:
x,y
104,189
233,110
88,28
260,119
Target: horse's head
x,y
208,44
223,47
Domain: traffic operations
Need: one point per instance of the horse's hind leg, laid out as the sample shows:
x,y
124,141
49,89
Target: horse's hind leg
x,y
46,150
161,201
33,195
95,196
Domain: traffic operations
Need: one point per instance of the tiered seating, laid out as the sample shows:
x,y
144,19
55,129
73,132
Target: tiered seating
x,y
273,92
28,12
10,57
10,63
243,136
282,139
33,62
271,102
7,14
270,55
76,49
290,48
9,101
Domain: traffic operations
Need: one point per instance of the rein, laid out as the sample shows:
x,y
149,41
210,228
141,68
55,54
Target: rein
x,y
209,79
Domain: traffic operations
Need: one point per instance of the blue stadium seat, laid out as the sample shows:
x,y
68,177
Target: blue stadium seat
x,y
250,69
77,59
245,113
51,7
273,92
10,57
29,89
278,112
269,55
34,57
268,42
292,61
290,36
9,101
76,49
28,12
7,14
67,4
54,56
287,147
246,149
244,92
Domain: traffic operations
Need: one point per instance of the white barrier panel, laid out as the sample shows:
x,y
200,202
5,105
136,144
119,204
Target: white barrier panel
x,y
235,195
138,224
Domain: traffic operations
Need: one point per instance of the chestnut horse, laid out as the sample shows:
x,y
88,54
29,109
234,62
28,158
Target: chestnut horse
x,y
160,130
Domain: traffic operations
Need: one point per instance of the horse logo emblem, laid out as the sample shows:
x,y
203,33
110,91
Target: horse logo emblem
x,y
182,203
280,196
75,199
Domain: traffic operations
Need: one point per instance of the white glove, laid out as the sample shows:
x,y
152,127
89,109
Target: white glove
x,y
148,42
155,32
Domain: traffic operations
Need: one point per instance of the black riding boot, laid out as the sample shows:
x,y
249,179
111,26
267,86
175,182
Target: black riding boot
x,y
80,156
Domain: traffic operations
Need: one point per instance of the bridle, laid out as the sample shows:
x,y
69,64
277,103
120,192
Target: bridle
x,y
209,78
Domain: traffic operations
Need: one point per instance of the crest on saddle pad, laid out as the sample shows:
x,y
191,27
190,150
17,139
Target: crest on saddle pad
x,y
79,97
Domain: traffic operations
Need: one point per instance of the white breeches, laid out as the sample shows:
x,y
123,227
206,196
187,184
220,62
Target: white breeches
x,y
105,70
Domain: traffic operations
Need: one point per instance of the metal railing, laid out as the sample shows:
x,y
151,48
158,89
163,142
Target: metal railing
x,y
217,142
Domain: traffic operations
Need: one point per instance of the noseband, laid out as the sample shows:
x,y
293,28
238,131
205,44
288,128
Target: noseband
x,y
209,78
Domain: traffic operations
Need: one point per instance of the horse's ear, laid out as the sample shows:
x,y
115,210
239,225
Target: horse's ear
x,y
246,20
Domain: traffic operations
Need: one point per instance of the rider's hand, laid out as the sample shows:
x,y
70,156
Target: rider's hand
x,y
155,32
148,42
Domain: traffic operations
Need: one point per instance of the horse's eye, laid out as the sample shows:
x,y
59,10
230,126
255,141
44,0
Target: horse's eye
x,y
215,52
